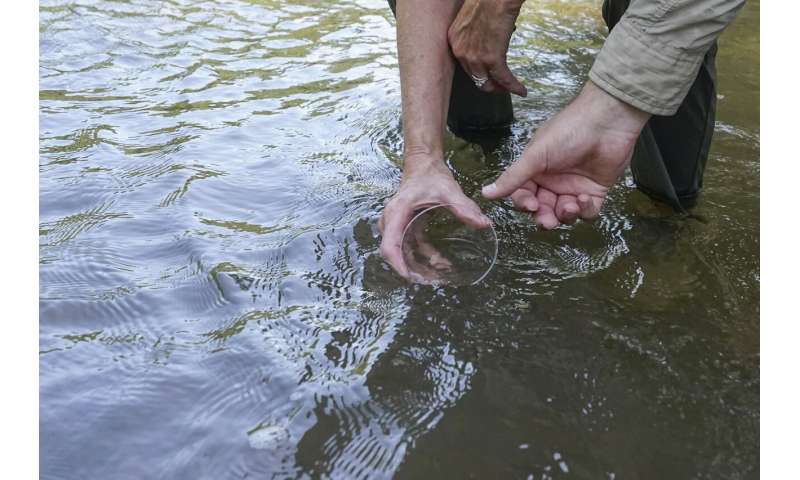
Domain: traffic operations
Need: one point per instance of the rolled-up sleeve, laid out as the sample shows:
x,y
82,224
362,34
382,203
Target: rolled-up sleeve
x,y
652,55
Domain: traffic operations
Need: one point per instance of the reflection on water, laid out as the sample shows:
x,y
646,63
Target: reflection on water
x,y
213,305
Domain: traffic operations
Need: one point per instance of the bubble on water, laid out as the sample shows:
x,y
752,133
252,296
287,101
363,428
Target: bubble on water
x,y
561,463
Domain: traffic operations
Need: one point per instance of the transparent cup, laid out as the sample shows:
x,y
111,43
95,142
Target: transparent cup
x,y
438,248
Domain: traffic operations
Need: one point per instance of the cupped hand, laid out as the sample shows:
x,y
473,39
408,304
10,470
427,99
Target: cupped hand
x,y
566,169
423,187
479,38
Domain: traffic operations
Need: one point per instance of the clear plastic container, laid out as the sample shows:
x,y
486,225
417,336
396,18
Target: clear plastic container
x,y
438,248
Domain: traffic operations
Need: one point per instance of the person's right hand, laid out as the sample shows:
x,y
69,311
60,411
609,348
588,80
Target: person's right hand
x,y
426,182
568,166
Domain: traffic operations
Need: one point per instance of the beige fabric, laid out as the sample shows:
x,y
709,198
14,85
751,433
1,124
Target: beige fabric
x,y
652,56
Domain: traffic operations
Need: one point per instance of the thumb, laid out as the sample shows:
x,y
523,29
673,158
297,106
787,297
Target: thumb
x,y
502,75
468,212
532,162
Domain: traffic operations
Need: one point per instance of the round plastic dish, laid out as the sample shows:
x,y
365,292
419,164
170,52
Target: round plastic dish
x,y
438,248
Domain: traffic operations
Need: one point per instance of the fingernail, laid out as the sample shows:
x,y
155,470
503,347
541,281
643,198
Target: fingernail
x,y
489,190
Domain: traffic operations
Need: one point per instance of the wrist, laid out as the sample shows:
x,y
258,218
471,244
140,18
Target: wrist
x,y
612,110
423,164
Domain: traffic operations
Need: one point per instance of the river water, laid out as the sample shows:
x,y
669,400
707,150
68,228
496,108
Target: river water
x,y
213,304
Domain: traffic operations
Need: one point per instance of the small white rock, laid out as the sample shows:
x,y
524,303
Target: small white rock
x,y
267,438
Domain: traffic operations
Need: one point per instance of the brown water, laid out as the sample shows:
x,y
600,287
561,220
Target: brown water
x,y
213,304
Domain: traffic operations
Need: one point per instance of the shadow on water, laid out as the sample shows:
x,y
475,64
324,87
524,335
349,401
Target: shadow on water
x,y
213,304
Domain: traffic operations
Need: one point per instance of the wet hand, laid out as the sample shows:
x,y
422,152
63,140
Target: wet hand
x,y
479,38
429,183
566,169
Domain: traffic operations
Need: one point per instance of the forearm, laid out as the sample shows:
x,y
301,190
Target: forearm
x,y
426,77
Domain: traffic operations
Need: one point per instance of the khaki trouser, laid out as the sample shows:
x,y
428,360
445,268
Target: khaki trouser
x,y
670,156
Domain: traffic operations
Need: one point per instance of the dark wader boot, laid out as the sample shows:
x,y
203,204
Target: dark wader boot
x,y
670,155
472,111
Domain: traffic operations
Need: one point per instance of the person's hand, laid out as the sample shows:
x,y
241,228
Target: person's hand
x,y
426,182
479,38
566,169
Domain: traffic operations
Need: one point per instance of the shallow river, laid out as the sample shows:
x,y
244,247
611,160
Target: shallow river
x,y
213,304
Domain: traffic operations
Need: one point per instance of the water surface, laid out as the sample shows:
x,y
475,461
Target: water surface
x,y
213,304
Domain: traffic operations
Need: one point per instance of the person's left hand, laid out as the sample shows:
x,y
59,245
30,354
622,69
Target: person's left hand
x,y
479,38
